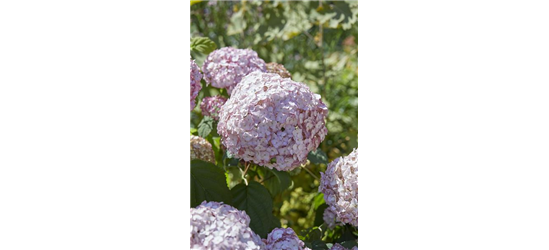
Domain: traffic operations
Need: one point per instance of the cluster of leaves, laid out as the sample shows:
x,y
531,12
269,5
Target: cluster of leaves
x,y
316,42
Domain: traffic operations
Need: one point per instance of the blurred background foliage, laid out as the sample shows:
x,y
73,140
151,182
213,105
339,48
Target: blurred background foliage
x,y
317,43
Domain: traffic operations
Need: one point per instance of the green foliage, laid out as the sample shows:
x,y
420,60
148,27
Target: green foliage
x,y
275,181
256,201
313,238
205,126
202,45
208,183
318,157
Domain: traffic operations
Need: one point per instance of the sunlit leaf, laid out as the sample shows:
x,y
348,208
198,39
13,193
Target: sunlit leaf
x,y
203,45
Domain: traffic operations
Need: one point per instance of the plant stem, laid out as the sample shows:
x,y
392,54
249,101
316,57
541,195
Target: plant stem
x,y
311,173
247,164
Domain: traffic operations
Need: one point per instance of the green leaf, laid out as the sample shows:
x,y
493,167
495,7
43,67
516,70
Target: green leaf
x,y
316,245
208,183
346,14
347,234
275,181
318,200
312,234
256,201
349,244
193,131
203,45
319,214
317,156
229,160
205,126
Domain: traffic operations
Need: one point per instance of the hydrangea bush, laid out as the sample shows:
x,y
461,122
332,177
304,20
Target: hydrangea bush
x,y
274,159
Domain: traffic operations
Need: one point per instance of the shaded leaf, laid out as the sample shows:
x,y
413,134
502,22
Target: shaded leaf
x,y
275,181
229,160
319,214
316,245
347,234
208,183
205,126
256,201
318,156
346,14
349,244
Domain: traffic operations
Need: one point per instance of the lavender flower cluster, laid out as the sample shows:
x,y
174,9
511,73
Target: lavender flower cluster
x,y
340,187
201,149
272,121
195,83
215,225
225,67
284,239
211,105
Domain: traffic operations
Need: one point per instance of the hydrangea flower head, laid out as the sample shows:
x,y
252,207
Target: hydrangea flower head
x,y
340,187
201,149
284,239
211,105
278,69
195,82
330,217
272,121
225,67
215,225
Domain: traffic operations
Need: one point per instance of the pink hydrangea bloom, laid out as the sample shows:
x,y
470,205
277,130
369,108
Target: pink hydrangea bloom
x,y
195,83
284,239
272,121
211,105
225,67
215,225
340,187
